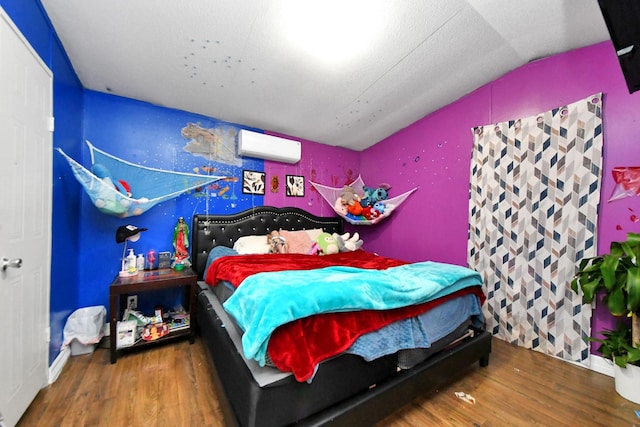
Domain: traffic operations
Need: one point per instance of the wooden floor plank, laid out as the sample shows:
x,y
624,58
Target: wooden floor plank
x,y
171,385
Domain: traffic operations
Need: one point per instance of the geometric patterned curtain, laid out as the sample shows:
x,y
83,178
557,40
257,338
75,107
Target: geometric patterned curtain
x,y
533,209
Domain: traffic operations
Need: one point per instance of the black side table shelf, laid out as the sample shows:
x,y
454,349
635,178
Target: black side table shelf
x,y
165,278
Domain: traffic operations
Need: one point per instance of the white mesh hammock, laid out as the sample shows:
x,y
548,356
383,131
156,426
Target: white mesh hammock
x,y
148,186
332,195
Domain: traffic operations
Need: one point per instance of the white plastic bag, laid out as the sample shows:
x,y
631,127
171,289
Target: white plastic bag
x,y
86,325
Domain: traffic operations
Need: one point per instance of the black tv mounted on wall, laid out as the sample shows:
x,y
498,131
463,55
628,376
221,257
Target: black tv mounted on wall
x,y
622,18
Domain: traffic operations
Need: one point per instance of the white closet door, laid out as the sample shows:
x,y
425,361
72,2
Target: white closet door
x,y
25,221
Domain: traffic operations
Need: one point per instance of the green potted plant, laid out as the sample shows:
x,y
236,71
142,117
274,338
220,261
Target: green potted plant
x,y
616,346
616,276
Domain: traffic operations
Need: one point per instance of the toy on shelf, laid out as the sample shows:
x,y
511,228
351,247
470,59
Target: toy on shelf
x,y
181,245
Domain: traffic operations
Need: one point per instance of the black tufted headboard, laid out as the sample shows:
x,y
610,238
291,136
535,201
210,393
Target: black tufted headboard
x,y
223,230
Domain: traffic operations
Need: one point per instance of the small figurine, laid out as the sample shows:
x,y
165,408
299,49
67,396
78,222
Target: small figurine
x,y
181,243
277,243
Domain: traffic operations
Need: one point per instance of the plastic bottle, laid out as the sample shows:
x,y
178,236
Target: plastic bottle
x,y
131,262
140,262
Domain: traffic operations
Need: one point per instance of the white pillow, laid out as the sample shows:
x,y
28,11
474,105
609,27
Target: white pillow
x,y
247,245
314,233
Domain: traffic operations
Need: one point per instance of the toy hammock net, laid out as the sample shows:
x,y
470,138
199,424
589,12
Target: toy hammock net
x,y
125,189
332,196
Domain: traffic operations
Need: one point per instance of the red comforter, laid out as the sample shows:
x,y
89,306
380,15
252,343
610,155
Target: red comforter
x,y
234,269
300,345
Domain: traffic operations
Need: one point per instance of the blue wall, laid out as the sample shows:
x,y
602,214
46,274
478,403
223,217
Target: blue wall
x,y
85,256
34,24
148,135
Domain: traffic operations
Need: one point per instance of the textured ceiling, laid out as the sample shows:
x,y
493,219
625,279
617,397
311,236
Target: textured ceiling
x,y
249,62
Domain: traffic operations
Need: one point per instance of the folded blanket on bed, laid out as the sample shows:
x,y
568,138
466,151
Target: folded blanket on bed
x,y
266,301
419,331
234,269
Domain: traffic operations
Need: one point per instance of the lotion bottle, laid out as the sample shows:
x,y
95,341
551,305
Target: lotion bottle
x,y
140,262
131,262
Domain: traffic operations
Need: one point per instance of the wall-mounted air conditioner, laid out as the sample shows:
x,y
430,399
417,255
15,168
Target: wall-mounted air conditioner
x,y
261,146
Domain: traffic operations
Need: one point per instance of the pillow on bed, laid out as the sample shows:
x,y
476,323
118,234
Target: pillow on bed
x,y
314,233
247,245
298,242
215,253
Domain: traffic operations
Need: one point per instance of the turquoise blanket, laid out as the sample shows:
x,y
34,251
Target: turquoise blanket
x,y
265,301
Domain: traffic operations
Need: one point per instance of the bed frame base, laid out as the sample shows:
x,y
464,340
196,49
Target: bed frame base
x,y
384,399
377,403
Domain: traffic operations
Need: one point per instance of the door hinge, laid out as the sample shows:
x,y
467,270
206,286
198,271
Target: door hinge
x,y
51,124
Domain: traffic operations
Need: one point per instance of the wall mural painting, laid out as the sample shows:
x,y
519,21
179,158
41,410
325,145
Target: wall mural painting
x,y
223,189
217,144
348,177
523,241
313,191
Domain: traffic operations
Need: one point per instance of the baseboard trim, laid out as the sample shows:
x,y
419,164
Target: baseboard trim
x,y
58,364
601,365
594,363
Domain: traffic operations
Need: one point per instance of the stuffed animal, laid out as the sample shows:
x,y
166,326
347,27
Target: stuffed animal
x,y
380,207
325,244
124,186
348,196
372,195
104,174
346,243
370,213
340,207
355,208
388,208
107,199
277,243
354,217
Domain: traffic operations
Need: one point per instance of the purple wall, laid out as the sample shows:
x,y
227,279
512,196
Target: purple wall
x,y
320,163
435,154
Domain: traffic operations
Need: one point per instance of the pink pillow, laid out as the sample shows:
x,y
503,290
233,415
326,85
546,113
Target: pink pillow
x,y
299,242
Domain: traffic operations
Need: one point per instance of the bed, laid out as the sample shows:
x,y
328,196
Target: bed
x,y
345,389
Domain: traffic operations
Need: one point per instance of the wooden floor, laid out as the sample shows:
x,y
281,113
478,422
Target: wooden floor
x,y
170,386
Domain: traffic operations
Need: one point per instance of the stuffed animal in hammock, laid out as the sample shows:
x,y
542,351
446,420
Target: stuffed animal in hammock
x,y
369,213
348,196
107,199
373,195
